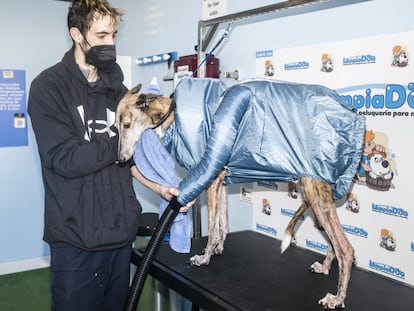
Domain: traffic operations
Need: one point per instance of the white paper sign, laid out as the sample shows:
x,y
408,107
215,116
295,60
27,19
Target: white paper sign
x,y
214,8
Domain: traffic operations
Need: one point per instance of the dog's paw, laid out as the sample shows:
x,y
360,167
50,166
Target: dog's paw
x,y
199,260
332,302
219,250
317,267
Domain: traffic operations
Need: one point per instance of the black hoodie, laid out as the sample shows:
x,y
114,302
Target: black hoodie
x,y
89,200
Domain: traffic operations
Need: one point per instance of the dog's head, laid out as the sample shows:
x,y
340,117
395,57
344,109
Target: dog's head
x,y
379,165
137,112
353,206
403,59
390,244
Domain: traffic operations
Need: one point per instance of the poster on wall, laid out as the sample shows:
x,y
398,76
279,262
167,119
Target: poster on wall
x,y
264,64
13,125
213,8
374,75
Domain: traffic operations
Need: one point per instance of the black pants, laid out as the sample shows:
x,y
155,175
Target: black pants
x,y
89,281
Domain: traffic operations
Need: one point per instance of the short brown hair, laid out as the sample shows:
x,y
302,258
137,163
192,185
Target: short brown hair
x,y
82,12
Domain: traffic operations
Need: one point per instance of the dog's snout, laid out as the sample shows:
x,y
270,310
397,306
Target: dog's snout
x,y
385,164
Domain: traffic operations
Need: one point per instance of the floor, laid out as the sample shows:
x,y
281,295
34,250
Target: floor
x,y
25,291
30,291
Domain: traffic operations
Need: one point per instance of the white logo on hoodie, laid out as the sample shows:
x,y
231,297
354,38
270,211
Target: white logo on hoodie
x,y
101,126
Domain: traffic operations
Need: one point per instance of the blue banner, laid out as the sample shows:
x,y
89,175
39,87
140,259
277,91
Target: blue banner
x,y
13,116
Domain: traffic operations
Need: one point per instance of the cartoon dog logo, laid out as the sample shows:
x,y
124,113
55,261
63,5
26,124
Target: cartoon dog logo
x,y
380,175
387,240
292,190
352,203
374,169
327,63
269,70
266,209
399,56
380,167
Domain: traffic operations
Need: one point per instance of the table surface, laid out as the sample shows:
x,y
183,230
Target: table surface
x,y
251,274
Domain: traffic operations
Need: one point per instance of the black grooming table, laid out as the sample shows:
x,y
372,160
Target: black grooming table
x,y
253,275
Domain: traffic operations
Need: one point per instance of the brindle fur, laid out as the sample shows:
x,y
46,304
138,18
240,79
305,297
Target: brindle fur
x,y
135,114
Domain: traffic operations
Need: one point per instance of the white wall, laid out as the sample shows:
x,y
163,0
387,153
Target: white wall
x,y
36,37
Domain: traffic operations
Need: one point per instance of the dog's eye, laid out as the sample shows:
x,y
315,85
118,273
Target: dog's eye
x,y
126,125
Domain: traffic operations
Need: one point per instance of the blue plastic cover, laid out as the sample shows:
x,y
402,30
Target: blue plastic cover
x,y
263,130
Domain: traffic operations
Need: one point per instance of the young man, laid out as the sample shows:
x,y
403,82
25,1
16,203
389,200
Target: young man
x,y
91,211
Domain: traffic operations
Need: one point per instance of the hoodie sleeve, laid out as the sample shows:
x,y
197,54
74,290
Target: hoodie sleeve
x,y
59,131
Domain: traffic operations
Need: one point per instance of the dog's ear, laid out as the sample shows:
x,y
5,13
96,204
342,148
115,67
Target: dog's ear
x,y
136,89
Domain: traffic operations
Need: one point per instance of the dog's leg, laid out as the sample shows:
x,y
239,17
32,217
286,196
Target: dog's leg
x,y
213,203
290,229
223,219
325,266
319,196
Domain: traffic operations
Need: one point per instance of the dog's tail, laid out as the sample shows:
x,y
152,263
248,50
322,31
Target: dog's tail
x,y
290,229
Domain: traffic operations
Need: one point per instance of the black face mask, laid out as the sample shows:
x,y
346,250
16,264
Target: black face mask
x,y
102,57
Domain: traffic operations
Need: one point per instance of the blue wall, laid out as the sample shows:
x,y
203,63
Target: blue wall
x,y
31,39
36,37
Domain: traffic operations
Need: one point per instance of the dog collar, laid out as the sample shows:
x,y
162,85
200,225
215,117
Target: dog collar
x,y
165,117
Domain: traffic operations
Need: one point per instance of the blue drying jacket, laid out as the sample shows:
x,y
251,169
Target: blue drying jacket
x,y
263,130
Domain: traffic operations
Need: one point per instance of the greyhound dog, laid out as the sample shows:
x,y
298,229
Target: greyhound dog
x,y
137,112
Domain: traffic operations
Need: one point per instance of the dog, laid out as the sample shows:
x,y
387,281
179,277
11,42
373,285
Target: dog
x,y
266,208
400,56
388,240
327,63
380,174
352,203
137,112
380,167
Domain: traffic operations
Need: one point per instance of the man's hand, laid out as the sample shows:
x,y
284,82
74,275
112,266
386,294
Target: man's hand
x,y
168,193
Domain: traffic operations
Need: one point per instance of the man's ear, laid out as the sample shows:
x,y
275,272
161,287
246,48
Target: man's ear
x,y
76,35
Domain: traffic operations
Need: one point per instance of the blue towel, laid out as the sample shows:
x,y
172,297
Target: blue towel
x,y
156,164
